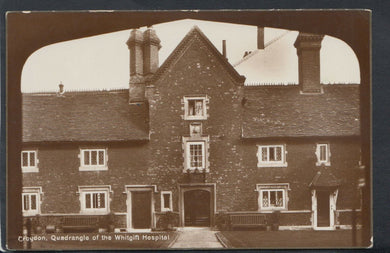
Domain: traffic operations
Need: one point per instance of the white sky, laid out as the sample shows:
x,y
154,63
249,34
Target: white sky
x,y
102,62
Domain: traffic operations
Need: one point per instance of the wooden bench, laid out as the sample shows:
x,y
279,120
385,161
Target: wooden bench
x,y
247,220
80,223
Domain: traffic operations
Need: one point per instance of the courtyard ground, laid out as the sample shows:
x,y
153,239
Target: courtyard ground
x,y
288,239
79,241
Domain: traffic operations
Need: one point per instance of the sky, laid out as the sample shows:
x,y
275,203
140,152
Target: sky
x,y
102,62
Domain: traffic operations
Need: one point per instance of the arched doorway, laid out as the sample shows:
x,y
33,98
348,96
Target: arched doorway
x,y
197,208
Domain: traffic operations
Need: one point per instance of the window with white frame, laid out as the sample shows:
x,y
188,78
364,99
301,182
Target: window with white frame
x,y
29,161
31,200
166,201
93,159
323,154
271,156
273,196
195,108
195,153
94,199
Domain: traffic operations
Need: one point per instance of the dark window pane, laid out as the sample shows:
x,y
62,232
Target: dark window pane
x,y
101,157
273,198
272,154
33,202
93,157
86,158
32,159
102,200
166,200
88,200
25,202
265,199
25,159
278,154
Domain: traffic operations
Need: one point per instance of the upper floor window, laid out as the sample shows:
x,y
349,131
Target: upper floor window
x,y
272,196
29,161
31,200
94,199
93,159
195,108
271,156
166,201
323,154
195,153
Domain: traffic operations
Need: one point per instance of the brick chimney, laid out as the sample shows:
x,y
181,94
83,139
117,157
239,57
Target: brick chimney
x,y
308,50
151,46
260,37
144,47
136,86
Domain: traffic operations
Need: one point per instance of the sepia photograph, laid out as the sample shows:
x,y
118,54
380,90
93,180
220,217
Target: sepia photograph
x,y
189,130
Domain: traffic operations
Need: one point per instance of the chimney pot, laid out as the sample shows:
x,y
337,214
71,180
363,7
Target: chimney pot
x,y
260,37
224,48
61,87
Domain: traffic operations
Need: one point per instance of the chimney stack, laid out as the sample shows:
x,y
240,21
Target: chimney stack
x,y
260,37
143,47
224,48
151,48
308,50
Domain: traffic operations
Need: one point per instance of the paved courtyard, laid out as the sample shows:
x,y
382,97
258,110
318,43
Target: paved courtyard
x,y
195,237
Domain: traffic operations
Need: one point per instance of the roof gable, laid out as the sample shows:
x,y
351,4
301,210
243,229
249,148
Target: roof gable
x,y
177,53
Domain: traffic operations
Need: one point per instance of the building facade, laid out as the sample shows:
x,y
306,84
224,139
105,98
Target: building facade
x,y
190,137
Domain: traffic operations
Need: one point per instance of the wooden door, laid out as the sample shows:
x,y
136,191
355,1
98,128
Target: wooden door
x,y
141,209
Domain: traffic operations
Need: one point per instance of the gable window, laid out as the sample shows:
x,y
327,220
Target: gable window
x,y
195,108
31,200
29,161
195,153
166,201
271,156
323,154
94,199
93,159
272,196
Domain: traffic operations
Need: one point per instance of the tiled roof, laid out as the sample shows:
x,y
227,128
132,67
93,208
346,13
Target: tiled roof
x,y
281,111
83,116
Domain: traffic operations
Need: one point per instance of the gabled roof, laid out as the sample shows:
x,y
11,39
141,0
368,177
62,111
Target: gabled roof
x,y
83,116
281,111
324,179
196,33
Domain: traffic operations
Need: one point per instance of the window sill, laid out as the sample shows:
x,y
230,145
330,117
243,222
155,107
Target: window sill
x,y
264,165
194,118
94,212
30,169
164,210
322,163
30,213
270,210
93,168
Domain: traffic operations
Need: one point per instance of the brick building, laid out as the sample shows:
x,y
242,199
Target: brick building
x,y
192,138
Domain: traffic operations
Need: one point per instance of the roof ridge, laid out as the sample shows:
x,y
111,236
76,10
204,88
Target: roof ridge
x,y
269,43
75,90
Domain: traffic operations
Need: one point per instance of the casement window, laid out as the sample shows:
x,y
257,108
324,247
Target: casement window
x,y
31,200
195,108
195,153
94,199
323,154
271,156
29,160
166,201
273,196
93,159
